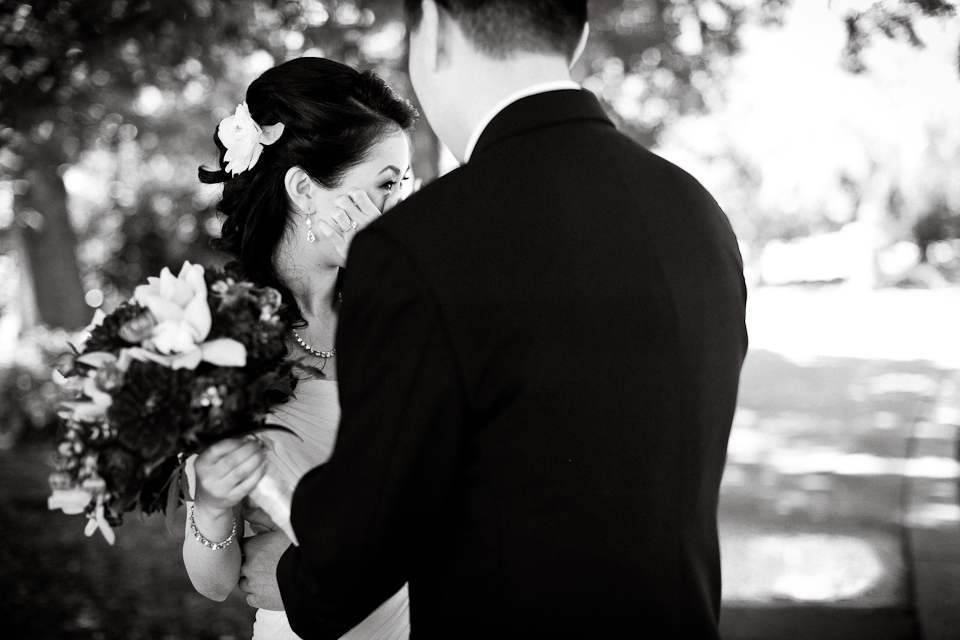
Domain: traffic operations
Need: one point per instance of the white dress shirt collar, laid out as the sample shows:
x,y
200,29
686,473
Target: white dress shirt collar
x,y
532,90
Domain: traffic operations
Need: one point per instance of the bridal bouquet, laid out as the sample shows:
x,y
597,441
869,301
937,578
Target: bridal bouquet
x,y
190,360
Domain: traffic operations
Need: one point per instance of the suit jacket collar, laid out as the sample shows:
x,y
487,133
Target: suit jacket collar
x,y
538,111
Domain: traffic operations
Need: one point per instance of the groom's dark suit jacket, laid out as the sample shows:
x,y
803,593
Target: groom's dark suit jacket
x,y
539,357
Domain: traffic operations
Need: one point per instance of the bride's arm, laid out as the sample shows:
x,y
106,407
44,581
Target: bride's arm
x,y
225,473
214,574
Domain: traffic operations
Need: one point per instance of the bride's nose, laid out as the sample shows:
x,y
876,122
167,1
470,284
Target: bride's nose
x,y
392,201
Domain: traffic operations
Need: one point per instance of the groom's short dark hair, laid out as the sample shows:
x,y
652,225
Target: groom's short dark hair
x,y
500,28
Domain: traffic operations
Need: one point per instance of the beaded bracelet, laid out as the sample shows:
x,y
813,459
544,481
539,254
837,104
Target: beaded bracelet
x,y
216,546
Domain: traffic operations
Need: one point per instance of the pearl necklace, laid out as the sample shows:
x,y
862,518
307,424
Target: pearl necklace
x,y
320,354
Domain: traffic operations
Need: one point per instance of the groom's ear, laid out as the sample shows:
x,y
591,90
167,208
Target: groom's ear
x,y
299,188
429,34
580,45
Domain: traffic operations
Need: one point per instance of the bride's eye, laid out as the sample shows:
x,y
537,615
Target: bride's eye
x,y
390,185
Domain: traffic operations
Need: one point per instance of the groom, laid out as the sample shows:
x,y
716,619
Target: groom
x,y
539,361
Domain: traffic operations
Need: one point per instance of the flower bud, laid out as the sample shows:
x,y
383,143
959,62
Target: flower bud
x,y
65,363
138,329
60,480
95,485
270,300
90,464
109,378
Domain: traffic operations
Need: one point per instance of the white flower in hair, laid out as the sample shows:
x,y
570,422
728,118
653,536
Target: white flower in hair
x,y
245,139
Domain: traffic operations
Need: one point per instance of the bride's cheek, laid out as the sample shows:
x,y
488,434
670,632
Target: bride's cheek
x,y
390,202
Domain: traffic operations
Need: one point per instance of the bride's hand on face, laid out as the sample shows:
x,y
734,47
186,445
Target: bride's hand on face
x,y
359,210
227,471
351,213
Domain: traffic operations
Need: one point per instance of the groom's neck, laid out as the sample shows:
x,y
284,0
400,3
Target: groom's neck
x,y
485,82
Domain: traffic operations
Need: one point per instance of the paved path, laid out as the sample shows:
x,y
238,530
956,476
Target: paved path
x,y
839,510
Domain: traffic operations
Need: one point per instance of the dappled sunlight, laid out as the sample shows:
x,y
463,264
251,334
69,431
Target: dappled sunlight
x,y
845,434
803,567
935,515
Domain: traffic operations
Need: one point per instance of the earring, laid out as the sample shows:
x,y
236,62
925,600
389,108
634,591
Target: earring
x,y
310,236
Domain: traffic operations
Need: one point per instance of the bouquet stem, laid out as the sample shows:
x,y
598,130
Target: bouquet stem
x,y
274,495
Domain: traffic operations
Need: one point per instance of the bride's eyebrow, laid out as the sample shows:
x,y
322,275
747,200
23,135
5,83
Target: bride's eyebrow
x,y
390,168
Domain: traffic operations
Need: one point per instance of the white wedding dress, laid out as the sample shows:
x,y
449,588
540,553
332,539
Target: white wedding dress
x,y
313,416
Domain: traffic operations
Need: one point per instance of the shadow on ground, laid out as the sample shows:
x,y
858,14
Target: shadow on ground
x,y
818,531
815,501
57,584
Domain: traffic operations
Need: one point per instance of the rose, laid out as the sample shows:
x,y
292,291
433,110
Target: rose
x,y
244,139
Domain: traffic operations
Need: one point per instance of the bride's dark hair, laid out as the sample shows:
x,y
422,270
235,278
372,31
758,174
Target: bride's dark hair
x,y
332,115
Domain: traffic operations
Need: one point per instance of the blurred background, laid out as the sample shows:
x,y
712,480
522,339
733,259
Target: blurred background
x,y
828,132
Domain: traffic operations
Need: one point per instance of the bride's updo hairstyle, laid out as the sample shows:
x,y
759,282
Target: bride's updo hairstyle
x,y
333,116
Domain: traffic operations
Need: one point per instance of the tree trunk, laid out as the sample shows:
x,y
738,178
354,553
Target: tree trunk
x,y
51,245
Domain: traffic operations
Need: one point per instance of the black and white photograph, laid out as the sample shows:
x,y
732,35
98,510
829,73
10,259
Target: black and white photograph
x,y
479,319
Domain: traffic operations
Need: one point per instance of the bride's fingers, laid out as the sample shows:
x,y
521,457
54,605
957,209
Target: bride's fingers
x,y
338,241
219,450
360,208
341,217
361,200
232,460
239,473
247,485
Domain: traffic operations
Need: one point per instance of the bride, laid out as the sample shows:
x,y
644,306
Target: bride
x,y
317,152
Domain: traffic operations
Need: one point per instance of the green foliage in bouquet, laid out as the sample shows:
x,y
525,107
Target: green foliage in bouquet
x,y
191,360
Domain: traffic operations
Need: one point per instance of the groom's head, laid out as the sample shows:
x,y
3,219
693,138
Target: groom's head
x,y
502,28
461,48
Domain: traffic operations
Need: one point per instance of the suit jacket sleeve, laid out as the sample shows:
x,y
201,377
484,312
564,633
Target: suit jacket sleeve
x,y
363,515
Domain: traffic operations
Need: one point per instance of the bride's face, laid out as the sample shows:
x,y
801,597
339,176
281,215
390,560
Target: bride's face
x,y
382,176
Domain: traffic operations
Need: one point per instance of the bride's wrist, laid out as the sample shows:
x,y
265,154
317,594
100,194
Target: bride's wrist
x,y
216,519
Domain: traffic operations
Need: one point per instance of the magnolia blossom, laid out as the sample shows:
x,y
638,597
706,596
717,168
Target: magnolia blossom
x,y
183,322
224,352
179,305
244,139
